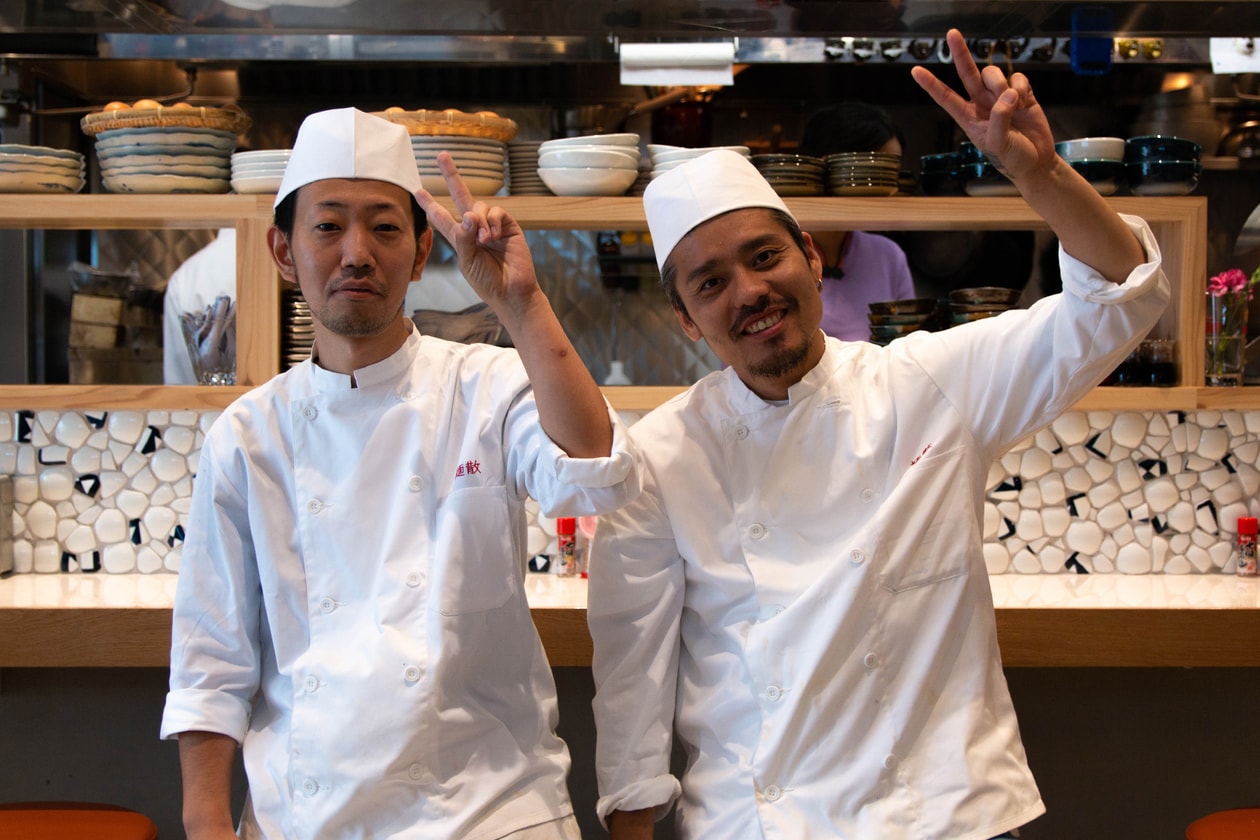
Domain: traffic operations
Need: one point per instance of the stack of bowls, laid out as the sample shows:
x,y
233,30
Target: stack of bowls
x,y
297,333
598,164
940,174
1160,164
863,173
981,178
792,175
523,168
891,319
975,304
482,162
1099,160
166,160
665,157
260,171
33,169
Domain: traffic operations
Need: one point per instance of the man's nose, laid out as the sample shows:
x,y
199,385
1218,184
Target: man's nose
x,y
356,247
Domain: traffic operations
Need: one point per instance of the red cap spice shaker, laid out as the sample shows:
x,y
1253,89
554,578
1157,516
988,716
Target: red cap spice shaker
x,y
1247,530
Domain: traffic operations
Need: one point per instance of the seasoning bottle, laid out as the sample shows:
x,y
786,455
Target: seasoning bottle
x,y
1247,529
566,545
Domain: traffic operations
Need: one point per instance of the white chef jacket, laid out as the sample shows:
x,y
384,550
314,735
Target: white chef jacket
x,y
799,593
351,600
194,286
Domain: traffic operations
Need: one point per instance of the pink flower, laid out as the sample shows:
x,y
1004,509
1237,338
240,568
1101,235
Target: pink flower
x,y
1229,281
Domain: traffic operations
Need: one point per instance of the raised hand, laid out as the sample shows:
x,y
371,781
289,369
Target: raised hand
x,y
490,245
1002,116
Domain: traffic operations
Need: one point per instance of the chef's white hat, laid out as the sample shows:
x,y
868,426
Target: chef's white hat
x,y
348,143
691,193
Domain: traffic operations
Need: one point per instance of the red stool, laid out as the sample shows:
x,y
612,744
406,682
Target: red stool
x,y
73,821
1238,824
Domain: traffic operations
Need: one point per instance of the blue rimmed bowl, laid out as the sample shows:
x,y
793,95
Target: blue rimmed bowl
x,y
1163,177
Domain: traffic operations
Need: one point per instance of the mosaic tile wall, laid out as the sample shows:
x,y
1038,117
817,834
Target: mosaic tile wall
x,y
1128,492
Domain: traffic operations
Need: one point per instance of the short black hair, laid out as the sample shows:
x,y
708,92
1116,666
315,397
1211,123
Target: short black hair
x,y
285,210
848,127
669,271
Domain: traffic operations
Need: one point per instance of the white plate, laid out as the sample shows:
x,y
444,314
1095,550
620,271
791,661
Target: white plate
x,y
459,156
266,170
183,170
121,161
263,156
164,184
668,154
249,185
477,185
154,137
39,151
36,165
622,139
472,144
27,182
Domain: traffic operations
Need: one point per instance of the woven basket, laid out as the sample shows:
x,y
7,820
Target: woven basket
x,y
220,119
453,123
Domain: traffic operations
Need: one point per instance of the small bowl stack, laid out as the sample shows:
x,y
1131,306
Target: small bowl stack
x,y
482,163
598,164
792,175
1160,164
981,178
863,173
523,168
665,157
941,174
37,169
260,171
152,148
975,304
1099,160
891,319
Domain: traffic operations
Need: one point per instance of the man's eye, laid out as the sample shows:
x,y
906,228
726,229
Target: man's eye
x,y
763,257
326,226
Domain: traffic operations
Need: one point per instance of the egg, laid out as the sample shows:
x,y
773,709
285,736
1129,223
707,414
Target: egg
x,y
117,106
184,105
394,109
146,103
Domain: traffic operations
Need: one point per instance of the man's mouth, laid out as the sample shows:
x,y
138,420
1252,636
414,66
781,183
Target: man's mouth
x,y
764,323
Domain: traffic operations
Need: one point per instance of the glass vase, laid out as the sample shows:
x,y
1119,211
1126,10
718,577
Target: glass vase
x,y
1225,353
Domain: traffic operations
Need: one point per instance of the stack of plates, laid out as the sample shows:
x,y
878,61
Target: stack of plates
x,y
481,162
523,168
297,329
259,172
792,175
891,319
863,173
166,159
30,169
981,302
599,164
665,158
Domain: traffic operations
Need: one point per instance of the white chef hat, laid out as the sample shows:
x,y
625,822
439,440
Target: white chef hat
x,y
691,193
348,143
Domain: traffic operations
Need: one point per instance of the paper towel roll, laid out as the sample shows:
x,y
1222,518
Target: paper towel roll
x,y
700,63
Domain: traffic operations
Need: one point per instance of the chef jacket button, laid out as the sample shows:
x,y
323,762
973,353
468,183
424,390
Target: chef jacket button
x,y
774,692
757,531
309,787
867,495
311,683
411,673
314,505
773,793
413,579
327,605
408,396
857,557
310,412
741,431
415,772
890,761
415,484
871,660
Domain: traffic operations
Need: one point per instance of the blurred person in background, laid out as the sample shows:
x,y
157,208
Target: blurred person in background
x,y
192,288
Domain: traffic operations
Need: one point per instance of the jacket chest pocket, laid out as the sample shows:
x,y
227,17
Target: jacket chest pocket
x,y
474,551
933,533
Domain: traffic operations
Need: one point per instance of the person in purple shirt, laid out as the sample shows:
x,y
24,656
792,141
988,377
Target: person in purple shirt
x,y
859,268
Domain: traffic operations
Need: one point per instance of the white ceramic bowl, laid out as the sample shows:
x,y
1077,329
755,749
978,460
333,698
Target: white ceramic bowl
x,y
623,139
250,185
1092,148
263,156
588,180
31,182
670,155
585,157
477,184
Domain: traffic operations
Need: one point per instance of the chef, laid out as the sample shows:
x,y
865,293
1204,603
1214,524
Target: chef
x,y
799,592
350,607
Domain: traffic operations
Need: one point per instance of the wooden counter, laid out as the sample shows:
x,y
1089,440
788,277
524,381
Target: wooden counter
x,y
1113,620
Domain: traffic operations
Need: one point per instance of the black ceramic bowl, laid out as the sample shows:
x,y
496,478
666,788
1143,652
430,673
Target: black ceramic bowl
x,y
939,175
968,153
1163,177
1161,147
983,179
1106,176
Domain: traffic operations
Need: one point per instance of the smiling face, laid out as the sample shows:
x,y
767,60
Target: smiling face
x,y
353,251
749,291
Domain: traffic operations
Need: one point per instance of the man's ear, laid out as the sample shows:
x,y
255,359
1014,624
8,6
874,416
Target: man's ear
x,y
688,326
424,247
282,254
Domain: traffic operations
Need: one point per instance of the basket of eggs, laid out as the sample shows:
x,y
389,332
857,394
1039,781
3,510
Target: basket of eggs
x,y
147,147
477,143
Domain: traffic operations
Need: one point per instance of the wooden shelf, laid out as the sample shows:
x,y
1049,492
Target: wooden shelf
x,y
1180,225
